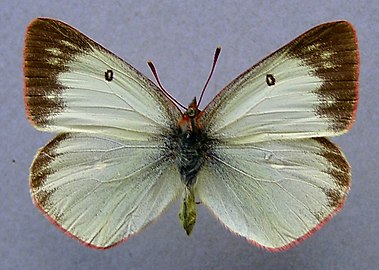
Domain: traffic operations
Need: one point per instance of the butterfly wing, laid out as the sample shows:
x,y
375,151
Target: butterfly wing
x,y
106,176
101,190
275,193
308,88
74,84
268,179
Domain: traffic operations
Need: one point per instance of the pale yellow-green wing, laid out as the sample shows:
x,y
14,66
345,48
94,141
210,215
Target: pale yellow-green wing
x,y
271,177
106,176
308,88
275,193
73,84
102,190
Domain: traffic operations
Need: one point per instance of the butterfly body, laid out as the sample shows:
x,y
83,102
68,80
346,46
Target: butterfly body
x,y
191,146
258,155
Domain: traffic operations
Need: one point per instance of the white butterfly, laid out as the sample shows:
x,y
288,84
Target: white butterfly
x,y
257,155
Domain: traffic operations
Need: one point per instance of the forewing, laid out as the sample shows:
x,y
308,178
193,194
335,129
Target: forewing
x,y
308,88
102,190
74,84
275,193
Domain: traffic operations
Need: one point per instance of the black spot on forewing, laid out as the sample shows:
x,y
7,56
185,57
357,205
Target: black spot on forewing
x,y
49,46
338,169
331,51
270,79
109,75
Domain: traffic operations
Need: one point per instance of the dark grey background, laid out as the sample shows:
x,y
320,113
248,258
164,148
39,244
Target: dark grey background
x,y
180,37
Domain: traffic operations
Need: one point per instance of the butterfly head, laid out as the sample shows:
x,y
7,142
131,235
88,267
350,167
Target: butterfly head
x,y
193,109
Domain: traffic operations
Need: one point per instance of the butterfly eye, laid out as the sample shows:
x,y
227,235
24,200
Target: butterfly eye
x,y
191,112
109,75
270,79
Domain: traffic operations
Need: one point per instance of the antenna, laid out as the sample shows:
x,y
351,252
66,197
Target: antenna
x,y
217,53
155,73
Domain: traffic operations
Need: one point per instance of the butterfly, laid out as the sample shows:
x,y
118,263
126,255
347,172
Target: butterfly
x,y
258,155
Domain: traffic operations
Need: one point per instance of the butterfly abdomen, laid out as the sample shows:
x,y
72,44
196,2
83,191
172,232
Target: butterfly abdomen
x,y
190,158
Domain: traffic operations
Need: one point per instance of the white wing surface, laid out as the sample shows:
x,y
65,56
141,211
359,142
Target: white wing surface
x,y
102,190
307,88
275,193
74,84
